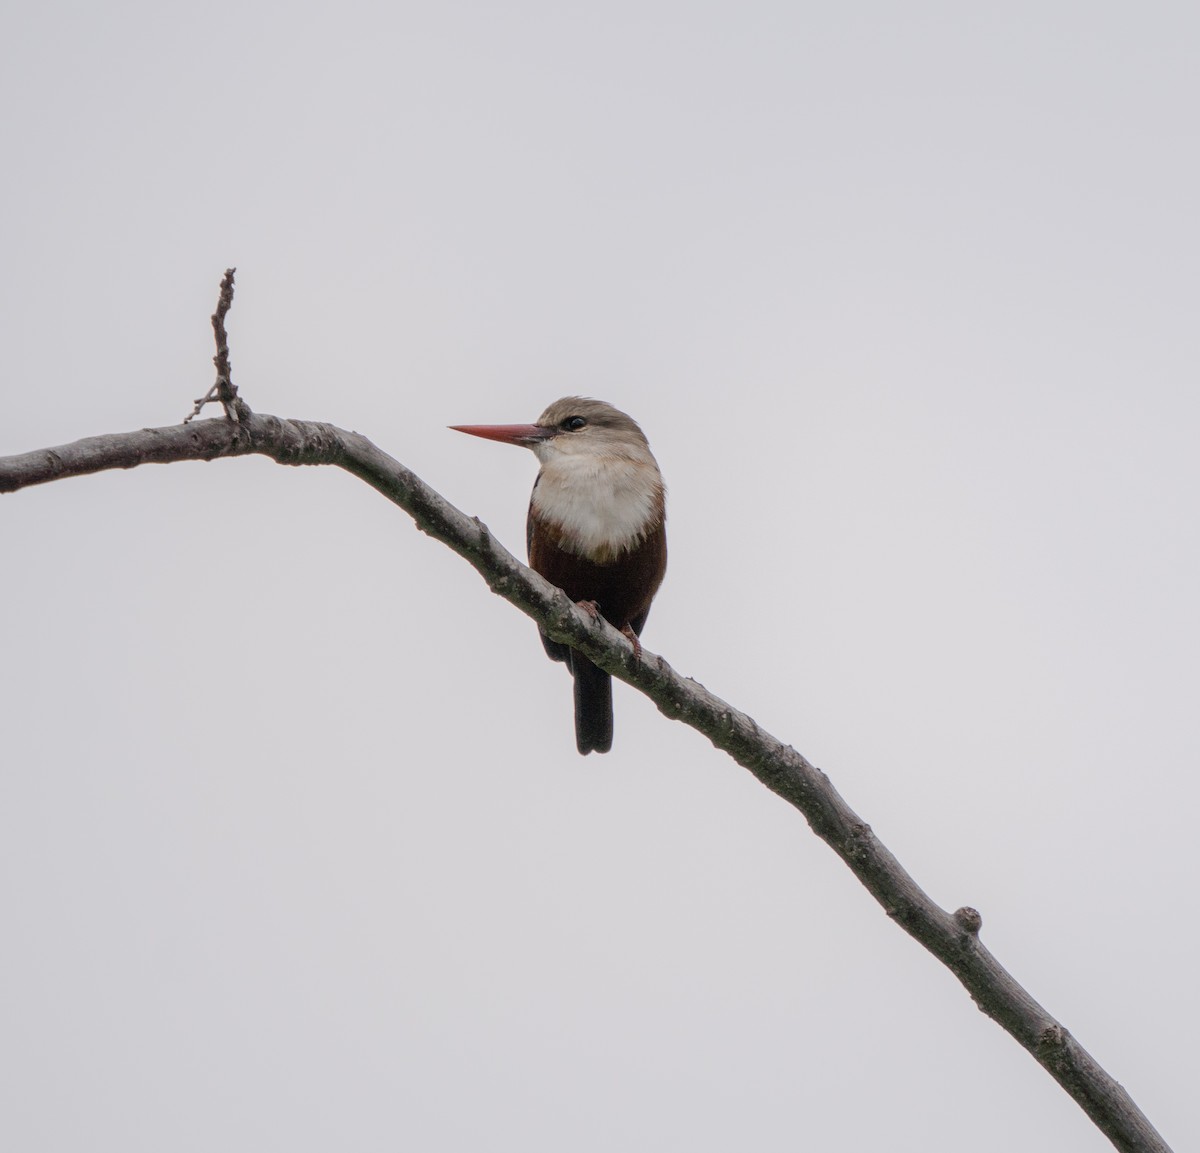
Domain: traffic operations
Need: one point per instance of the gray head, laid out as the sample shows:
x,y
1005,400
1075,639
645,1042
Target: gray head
x,y
573,429
580,426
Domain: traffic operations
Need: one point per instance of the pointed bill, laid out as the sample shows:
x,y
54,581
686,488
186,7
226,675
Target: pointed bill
x,y
522,434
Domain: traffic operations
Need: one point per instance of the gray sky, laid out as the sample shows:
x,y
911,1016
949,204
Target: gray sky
x,y
295,849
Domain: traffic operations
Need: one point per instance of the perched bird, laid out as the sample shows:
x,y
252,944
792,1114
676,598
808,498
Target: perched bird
x,y
596,529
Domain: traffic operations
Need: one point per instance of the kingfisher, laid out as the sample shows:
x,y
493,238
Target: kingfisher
x,y
596,529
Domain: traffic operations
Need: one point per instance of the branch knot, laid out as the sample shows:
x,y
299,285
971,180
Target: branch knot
x,y
969,920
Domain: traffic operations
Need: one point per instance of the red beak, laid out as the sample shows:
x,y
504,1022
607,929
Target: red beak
x,y
522,434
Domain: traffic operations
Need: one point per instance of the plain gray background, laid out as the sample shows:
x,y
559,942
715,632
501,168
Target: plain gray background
x,y
295,849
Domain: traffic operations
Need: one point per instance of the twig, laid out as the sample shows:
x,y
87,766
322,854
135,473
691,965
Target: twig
x,y
952,938
223,389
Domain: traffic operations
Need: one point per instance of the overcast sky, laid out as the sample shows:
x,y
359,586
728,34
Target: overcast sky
x,y
295,848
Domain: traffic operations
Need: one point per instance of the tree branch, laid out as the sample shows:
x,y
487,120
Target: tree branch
x,y
223,388
952,938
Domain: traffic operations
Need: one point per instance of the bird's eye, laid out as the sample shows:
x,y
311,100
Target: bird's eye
x,y
574,422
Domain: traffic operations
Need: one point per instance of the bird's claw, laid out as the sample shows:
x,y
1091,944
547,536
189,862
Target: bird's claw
x,y
591,608
632,638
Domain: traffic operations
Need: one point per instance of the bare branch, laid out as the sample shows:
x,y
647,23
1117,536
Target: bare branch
x,y
223,389
952,938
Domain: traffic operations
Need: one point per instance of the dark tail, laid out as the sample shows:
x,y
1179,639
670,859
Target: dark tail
x,y
593,706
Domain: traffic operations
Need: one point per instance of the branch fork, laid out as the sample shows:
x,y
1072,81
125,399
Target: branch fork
x,y
223,389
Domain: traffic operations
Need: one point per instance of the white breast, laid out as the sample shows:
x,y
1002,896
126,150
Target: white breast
x,y
602,505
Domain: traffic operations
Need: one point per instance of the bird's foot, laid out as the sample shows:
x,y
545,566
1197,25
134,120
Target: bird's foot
x,y
590,607
632,637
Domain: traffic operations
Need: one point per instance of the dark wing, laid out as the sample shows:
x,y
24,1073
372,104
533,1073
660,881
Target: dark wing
x,y
554,650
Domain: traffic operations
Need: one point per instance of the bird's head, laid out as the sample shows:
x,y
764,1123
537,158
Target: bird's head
x,y
574,427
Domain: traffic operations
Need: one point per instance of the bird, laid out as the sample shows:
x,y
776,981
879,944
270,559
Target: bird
x,y
596,529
